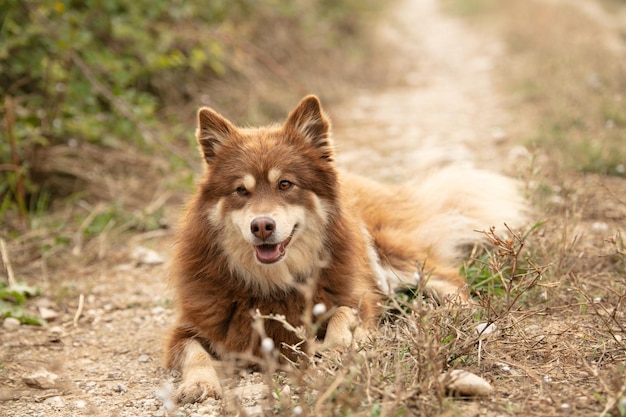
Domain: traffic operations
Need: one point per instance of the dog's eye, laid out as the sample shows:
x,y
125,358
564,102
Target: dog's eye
x,y
242,191
284,185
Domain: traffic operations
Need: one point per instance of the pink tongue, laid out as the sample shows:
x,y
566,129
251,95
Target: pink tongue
x,y
268,253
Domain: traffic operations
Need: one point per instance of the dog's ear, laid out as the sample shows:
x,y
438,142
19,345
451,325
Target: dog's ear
x,y
213,130
310,122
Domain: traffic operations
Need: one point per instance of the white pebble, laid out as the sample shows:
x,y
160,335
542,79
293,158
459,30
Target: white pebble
x,y
146,256
297,410
40,379
11,323
48,314
164,394
484,329
319,308
55,402
267,345
465,383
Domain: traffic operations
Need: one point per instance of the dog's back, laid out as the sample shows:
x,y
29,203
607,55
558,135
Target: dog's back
x,y
429,223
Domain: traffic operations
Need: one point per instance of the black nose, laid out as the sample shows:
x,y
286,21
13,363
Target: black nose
x,y
263,227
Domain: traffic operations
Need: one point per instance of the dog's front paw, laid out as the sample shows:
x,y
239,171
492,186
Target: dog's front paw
x,y
196,390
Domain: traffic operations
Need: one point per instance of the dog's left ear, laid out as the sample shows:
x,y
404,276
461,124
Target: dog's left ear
x,y
213,130
311,123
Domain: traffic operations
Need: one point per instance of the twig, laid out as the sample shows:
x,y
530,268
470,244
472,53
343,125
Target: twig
x,y
79,311
7,262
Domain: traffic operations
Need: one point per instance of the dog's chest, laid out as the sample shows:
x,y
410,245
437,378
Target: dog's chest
x,y
242,325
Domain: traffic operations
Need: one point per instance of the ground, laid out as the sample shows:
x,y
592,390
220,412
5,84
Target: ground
x,y
105,345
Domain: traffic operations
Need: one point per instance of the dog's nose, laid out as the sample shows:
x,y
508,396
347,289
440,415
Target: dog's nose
x,y
263,227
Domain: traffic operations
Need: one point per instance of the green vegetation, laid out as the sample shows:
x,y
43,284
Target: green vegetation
x,y
12,299
122,75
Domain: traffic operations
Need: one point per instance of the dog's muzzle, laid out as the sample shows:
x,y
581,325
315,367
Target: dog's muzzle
x,y
268,252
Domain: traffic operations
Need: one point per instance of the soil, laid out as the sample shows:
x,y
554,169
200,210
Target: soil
x,y
106,350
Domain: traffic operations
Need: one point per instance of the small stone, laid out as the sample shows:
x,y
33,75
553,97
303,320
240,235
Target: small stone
x,y
55,402
80,404
146,256
11,323
143,358
484,329
121,388
157,310
55,331
48,314
466,384
41,379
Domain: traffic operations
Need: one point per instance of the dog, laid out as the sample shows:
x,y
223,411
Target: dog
x,y
276,228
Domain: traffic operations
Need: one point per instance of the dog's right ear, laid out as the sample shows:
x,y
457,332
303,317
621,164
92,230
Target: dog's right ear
x,y
213,130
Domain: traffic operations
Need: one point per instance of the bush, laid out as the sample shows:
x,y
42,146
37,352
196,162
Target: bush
x,y
102,72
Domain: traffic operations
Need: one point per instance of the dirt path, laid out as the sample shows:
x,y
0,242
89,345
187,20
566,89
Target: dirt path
x,y
442,109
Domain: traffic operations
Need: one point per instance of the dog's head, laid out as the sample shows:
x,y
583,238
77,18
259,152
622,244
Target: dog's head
x,y
269,191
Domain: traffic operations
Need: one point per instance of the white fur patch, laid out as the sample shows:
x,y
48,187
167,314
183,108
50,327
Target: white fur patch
x,y
388,280
249,182
216,212
274,175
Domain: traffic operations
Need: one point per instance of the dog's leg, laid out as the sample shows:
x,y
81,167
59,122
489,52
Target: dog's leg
x,y
199,378
343,329
447,285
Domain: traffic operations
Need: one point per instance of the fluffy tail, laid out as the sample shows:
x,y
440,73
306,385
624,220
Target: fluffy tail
x,y
456,203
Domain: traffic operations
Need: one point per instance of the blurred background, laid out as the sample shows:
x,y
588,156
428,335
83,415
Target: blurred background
x,y
98,101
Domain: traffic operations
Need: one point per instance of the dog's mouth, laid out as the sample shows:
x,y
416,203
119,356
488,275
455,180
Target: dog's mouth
x,y
269,253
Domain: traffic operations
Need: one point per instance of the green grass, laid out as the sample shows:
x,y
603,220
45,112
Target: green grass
x,y
13,300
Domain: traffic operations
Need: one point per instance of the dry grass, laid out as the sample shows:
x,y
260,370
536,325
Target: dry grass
x,y
556,294
559,345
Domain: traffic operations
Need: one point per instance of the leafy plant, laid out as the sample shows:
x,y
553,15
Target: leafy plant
x,y
12,300
105,73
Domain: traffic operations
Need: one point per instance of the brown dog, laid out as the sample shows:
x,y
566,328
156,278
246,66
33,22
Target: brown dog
x,y
273,216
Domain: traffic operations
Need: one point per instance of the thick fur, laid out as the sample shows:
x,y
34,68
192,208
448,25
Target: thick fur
x,y
274,226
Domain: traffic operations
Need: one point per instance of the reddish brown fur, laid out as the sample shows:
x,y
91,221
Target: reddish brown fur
x,y
362,233
215,306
